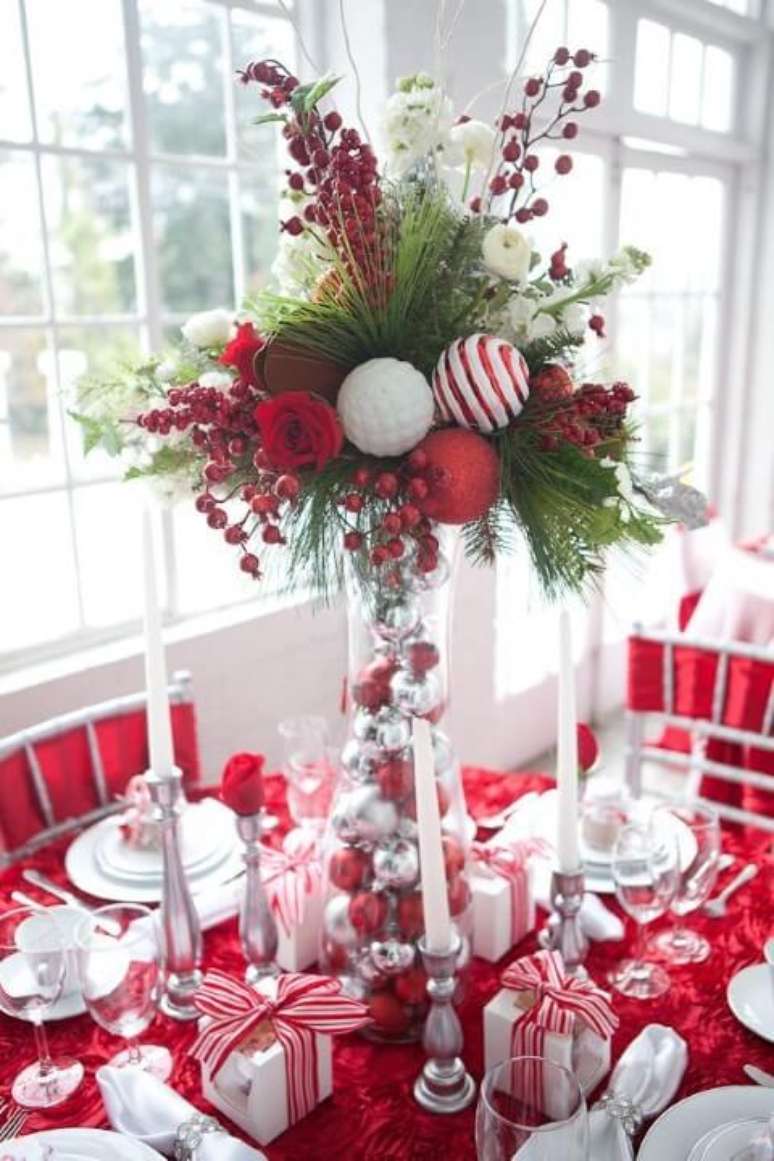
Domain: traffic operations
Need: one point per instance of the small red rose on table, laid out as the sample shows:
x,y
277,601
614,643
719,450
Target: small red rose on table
x,y
241,785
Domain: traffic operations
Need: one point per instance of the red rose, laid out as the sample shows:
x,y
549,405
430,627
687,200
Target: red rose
x,y
241,352
298,430
588,747
241,786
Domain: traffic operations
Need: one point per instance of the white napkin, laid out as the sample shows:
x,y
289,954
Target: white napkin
x,y
759,1149
217,904
140,1106
645,1079
26,1151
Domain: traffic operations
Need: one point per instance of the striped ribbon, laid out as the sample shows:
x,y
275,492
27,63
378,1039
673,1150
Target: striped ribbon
x,y
509,860
304,1006
291,877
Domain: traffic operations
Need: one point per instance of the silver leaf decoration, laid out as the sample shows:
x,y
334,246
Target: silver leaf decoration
x,y
675,500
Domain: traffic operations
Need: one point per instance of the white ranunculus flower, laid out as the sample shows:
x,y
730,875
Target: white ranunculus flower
x,y
574,318
472,143
209,328
417,121
298,263
526,323
218,379
507,252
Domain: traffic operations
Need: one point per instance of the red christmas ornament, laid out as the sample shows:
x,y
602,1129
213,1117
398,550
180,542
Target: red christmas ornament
x,y
463,475
422,656
372,688
588,747
388,1013
348,868
459,895
453,856
335,956
395,778
552,382
367,912
411,919
411,987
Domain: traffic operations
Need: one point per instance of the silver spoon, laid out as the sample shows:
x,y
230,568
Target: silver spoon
x,y
759,1075
717,907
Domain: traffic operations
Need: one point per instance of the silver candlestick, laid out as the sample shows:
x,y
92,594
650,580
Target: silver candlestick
x,y
257,928
180,931
563,932
443,1086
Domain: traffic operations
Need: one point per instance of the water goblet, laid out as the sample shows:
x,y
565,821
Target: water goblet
x,y
33,965
646,869
681,944
309,768
532,1109
121,980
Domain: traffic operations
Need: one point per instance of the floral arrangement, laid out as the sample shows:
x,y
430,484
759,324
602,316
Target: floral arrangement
x,y
415,365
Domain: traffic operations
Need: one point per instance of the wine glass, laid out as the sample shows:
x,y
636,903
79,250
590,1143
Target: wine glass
x,y
646,870
532,1109
309,768
118,962
681,944
33,963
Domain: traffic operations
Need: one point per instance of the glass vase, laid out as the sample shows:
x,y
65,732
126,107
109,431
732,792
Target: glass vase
x,y
398,620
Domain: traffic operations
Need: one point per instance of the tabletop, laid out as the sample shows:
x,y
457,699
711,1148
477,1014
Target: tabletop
x,y
372,1114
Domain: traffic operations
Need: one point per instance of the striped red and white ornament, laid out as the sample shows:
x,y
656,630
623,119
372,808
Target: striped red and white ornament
x,y
481,383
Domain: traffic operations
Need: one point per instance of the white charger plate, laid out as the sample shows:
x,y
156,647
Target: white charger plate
x,y
750,995
80,1144
677,1130
207,837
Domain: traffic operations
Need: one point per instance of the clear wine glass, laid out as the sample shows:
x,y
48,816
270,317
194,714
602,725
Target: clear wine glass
x,y
646,869
530,1109
309,767
33,962
681,944
118,962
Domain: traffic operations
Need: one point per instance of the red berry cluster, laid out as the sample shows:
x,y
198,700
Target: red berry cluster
x,y
388,540
336,169
518,161
590,417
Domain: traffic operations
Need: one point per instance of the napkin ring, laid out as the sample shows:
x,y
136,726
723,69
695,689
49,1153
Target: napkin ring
x,y
191,1133
622,1109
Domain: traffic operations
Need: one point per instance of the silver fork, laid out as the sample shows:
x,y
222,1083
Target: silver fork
x,y
13,1124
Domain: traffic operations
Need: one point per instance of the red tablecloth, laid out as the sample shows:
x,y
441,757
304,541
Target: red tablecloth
x,y
372,1116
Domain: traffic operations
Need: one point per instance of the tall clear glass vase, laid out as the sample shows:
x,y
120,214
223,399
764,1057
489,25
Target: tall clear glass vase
x,y
398,669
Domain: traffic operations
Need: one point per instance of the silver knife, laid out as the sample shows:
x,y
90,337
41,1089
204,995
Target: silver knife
x,y
759,1075
110,926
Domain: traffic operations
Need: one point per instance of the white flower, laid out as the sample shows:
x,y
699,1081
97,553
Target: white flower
x,y
624,501
472,143
166,371
298,263
209,328
218,379
417,122
574,319
507,252
526,323
589,270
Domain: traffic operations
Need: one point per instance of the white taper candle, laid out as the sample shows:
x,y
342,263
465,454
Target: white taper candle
x,y
435,899
161,753
567,753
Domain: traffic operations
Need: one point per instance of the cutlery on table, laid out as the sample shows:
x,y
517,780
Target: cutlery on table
x,y
498,820
725,861
13,1124
27,901
759,1075
109,926
717,907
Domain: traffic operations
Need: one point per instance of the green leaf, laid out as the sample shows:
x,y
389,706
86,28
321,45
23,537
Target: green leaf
x,y
268,118
167,461
98,433
305,97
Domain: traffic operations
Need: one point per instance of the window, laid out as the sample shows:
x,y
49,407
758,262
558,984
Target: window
x,y
683,78
134,192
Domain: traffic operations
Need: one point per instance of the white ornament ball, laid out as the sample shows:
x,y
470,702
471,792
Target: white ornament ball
x,y
385,406
481,383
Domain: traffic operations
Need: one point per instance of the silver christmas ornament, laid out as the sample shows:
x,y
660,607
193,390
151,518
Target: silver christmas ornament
x,y
393,730
362,815
408,829
392,957
415,694
357,760
396,863
364,726
336,922
396,620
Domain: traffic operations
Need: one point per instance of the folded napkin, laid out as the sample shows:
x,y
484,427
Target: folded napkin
x,y
643,1083
759,1149
140,1106
26,1151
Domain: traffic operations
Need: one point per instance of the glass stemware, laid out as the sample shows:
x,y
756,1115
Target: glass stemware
x,y
680,944
33,964
646,869
118,964
309,767
532,1110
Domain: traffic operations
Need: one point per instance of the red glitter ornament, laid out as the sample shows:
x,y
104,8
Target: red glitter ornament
x,y
367,912
388,1013
348,868
552,382
463,475
395,778
372,688
411,987
411,918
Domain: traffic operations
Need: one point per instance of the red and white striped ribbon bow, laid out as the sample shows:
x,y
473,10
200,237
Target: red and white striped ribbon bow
x,y
291,877
509,860
304,1005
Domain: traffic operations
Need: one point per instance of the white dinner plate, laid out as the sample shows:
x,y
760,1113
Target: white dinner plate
x,y
80,1144
677,1130
208,833
750,995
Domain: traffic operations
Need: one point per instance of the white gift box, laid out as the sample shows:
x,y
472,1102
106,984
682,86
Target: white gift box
x,y
494,929
583,1052
299,948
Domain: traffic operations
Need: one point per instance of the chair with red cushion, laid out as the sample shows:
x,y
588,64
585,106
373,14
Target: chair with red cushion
x,y
71,770
720,696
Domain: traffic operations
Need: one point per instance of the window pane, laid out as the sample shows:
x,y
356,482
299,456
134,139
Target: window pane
x,y
702,215
256,38
686,448
717,103
569,199
78,70
107,520
193,237
39,594
183,56
15,121
92,244
685,79
587,27
21,256
651,77
632,355
259,228
208,574
30,427
550,32
656,431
